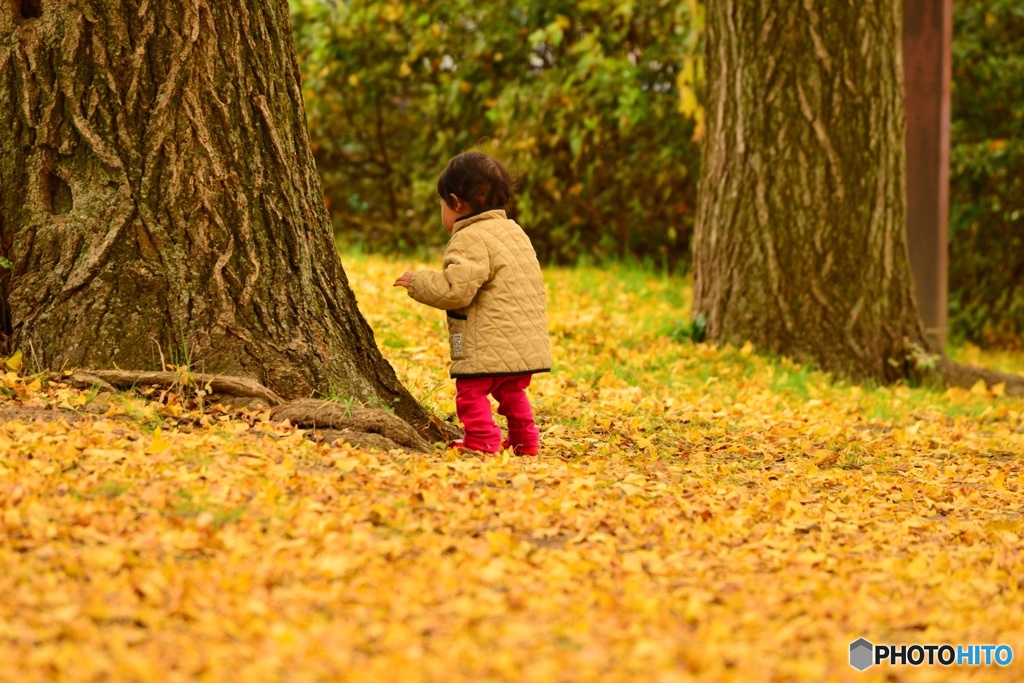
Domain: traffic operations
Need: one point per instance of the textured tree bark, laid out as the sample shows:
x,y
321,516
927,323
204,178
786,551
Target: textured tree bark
x,y
800,244
158,194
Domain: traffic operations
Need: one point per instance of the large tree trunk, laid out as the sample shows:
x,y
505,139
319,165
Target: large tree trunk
x,y
800,242
158,196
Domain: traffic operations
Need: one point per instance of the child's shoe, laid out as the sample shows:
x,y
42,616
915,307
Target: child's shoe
x,y
519,449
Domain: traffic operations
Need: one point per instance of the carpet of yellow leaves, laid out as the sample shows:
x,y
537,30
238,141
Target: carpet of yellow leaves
x,y
695,514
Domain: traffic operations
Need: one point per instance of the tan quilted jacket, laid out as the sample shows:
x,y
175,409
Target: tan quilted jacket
x,y
493,292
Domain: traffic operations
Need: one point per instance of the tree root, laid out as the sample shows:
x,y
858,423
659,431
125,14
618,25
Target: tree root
x,y
331,421
358,439
374,427
220,384
86,380
966,376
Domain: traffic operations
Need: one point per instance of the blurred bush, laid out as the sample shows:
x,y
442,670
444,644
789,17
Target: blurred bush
x,y
987,173
593,103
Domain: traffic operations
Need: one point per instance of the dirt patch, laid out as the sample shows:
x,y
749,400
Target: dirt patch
x,y
11,413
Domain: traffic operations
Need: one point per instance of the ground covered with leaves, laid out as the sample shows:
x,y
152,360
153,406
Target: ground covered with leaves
x,y
695,513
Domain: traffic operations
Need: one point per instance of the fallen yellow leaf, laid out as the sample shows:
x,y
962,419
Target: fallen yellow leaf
x,y
15,361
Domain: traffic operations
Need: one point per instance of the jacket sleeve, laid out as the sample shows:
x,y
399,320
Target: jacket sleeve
x,y
466,268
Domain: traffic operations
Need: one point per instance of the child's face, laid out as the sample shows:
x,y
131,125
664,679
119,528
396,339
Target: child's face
x,y
450,214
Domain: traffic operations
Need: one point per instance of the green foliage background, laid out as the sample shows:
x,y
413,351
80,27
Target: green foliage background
x,y
595,104
987,173
592,102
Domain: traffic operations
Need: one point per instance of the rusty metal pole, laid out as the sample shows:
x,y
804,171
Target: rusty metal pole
x,y
927,60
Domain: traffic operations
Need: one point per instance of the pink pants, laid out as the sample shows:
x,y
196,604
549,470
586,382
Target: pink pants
x,y
475,411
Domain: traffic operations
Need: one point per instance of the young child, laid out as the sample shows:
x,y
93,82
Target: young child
x,y
492,290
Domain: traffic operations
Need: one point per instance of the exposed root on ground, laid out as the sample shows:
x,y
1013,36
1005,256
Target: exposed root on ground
x,y
356,425
966,376
357,439
240,387
330,421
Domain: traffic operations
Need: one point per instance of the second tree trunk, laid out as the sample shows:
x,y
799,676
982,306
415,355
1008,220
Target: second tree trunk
x,y
800,244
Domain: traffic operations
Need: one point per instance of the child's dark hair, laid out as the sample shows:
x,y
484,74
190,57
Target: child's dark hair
x,y
481,181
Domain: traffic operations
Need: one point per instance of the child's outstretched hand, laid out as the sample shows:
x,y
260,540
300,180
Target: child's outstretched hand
x,y
404,281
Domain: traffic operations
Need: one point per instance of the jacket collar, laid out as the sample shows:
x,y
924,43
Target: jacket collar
x,y
488,214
